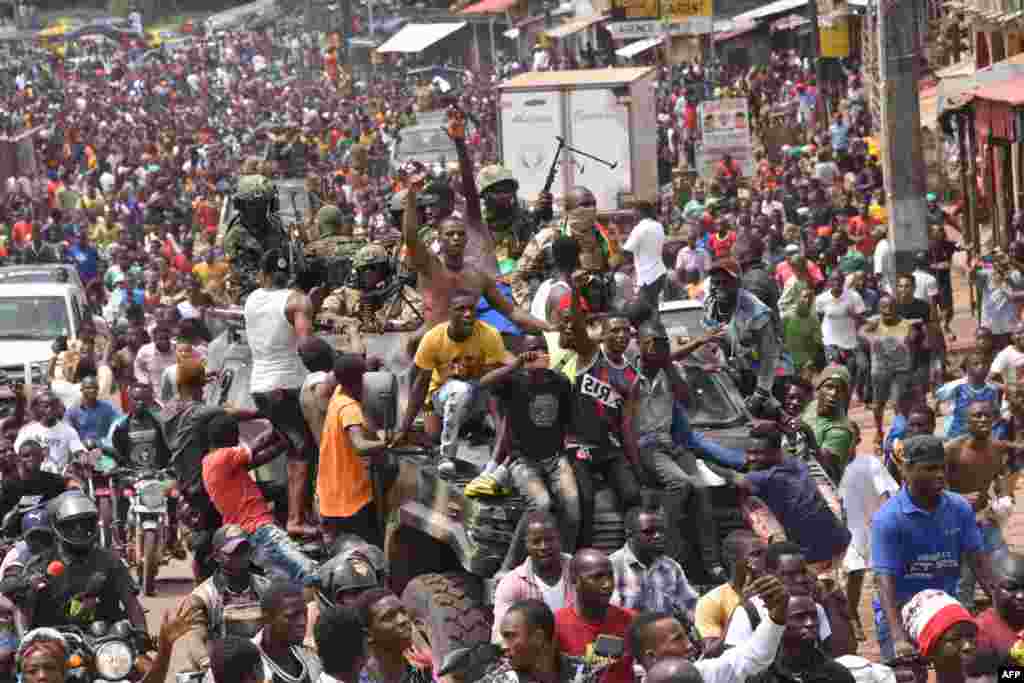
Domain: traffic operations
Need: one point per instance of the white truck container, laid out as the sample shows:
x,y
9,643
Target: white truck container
x,y
610,113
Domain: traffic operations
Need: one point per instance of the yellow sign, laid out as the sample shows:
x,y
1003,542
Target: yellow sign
x,y
835,39
677,10
639,9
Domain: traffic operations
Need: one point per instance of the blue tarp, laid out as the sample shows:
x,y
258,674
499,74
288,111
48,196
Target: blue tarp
x,y
493,317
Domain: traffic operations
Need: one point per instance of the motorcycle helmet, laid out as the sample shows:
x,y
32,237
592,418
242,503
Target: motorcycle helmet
x,y
75,519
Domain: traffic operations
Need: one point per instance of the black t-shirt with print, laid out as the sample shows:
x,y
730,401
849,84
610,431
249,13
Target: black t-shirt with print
x,y
539,412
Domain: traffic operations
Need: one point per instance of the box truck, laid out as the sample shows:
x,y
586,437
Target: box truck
x,y
609,113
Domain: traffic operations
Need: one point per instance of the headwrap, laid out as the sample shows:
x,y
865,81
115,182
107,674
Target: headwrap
x,y
47,640
929,614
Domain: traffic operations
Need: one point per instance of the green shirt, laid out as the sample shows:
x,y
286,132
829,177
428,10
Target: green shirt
x,y
835,436
801,336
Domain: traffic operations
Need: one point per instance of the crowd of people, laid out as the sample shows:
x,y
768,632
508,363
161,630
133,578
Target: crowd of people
x,y
536,335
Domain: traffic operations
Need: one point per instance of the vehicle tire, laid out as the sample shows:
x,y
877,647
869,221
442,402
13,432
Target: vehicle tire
x,y
150,561
448,610
105,507
609,531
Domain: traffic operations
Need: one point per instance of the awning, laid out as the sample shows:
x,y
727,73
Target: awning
x,y
1011,92
489,7
418,37
575,26
639,46
771,8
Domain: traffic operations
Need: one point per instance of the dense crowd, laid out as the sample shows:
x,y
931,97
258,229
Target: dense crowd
x,y
537,337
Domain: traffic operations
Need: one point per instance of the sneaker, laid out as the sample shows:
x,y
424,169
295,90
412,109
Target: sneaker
x,y
446,468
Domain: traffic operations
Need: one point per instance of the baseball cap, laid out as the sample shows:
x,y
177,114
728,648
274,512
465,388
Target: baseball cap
x,y
923,449
36,520
727,265
228,538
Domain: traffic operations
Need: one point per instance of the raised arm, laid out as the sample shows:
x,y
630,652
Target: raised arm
x,y
422,259
457,132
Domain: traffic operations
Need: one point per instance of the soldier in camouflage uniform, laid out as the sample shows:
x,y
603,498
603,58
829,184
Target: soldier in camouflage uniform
x,y
378,303
333,240
255,230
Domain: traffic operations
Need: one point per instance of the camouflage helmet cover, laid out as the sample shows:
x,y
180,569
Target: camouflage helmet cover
x,y
490,176
328,220
254,187
369,255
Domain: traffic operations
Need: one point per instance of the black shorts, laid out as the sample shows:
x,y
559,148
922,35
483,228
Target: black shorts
x,y
285,413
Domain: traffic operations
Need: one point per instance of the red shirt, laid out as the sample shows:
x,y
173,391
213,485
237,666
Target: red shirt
x,y
234,493
722,245
859,227
22,233
576,638
994,634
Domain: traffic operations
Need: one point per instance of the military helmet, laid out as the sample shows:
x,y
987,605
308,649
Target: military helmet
x,y
370,255
254,187
490,176
328,220
345,573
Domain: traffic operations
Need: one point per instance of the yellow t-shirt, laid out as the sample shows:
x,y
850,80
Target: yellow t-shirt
x,y
446,358
714,609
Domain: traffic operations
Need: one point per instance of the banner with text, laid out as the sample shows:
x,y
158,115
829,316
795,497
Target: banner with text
x,y
725,129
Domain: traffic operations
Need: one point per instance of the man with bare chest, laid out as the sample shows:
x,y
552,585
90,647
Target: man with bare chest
x,y
442,274
976,463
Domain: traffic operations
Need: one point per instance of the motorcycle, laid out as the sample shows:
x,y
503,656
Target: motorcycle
x,y
147,527
92,473
107,652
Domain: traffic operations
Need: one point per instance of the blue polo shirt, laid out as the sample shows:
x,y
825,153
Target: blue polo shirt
x,y
922,549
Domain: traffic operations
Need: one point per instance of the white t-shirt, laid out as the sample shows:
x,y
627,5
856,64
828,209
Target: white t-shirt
x,y
838,327
1008,364
741,631
645,244
554,596
864,482
61,440
926,287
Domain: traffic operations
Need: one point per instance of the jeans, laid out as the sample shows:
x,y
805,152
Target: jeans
x,y
549,485
273,550
991,541
677,472
618,471
684,436
651,291
885,645
457,402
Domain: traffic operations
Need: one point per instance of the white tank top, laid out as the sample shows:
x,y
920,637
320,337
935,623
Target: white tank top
x,y
274,344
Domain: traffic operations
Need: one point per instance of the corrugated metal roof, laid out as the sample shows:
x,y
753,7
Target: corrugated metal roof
x,y
1011,92
489,7
771,8
554,79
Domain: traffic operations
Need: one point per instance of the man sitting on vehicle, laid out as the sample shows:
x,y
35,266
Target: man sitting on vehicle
x,y
451,359
536,403
657,395
604,380
239,500
227,603
60,438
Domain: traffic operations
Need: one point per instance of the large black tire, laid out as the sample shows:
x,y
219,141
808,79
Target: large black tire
x,y
448,610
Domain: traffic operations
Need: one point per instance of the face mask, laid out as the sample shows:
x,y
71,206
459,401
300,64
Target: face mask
x,y
581,220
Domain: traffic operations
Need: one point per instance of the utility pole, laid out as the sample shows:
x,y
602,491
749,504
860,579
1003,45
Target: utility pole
x,y
346,30
899,58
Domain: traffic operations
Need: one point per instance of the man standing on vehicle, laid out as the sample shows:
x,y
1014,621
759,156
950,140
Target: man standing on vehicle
x,y
752,337
645,243
277,320
227,603
443,273
254,231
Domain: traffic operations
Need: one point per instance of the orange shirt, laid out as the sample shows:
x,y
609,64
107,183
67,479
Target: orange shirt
x,y
343,480
234,493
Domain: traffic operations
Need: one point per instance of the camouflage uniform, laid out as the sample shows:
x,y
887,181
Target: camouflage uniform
x,y
346,314
331,243
509,231
244,246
